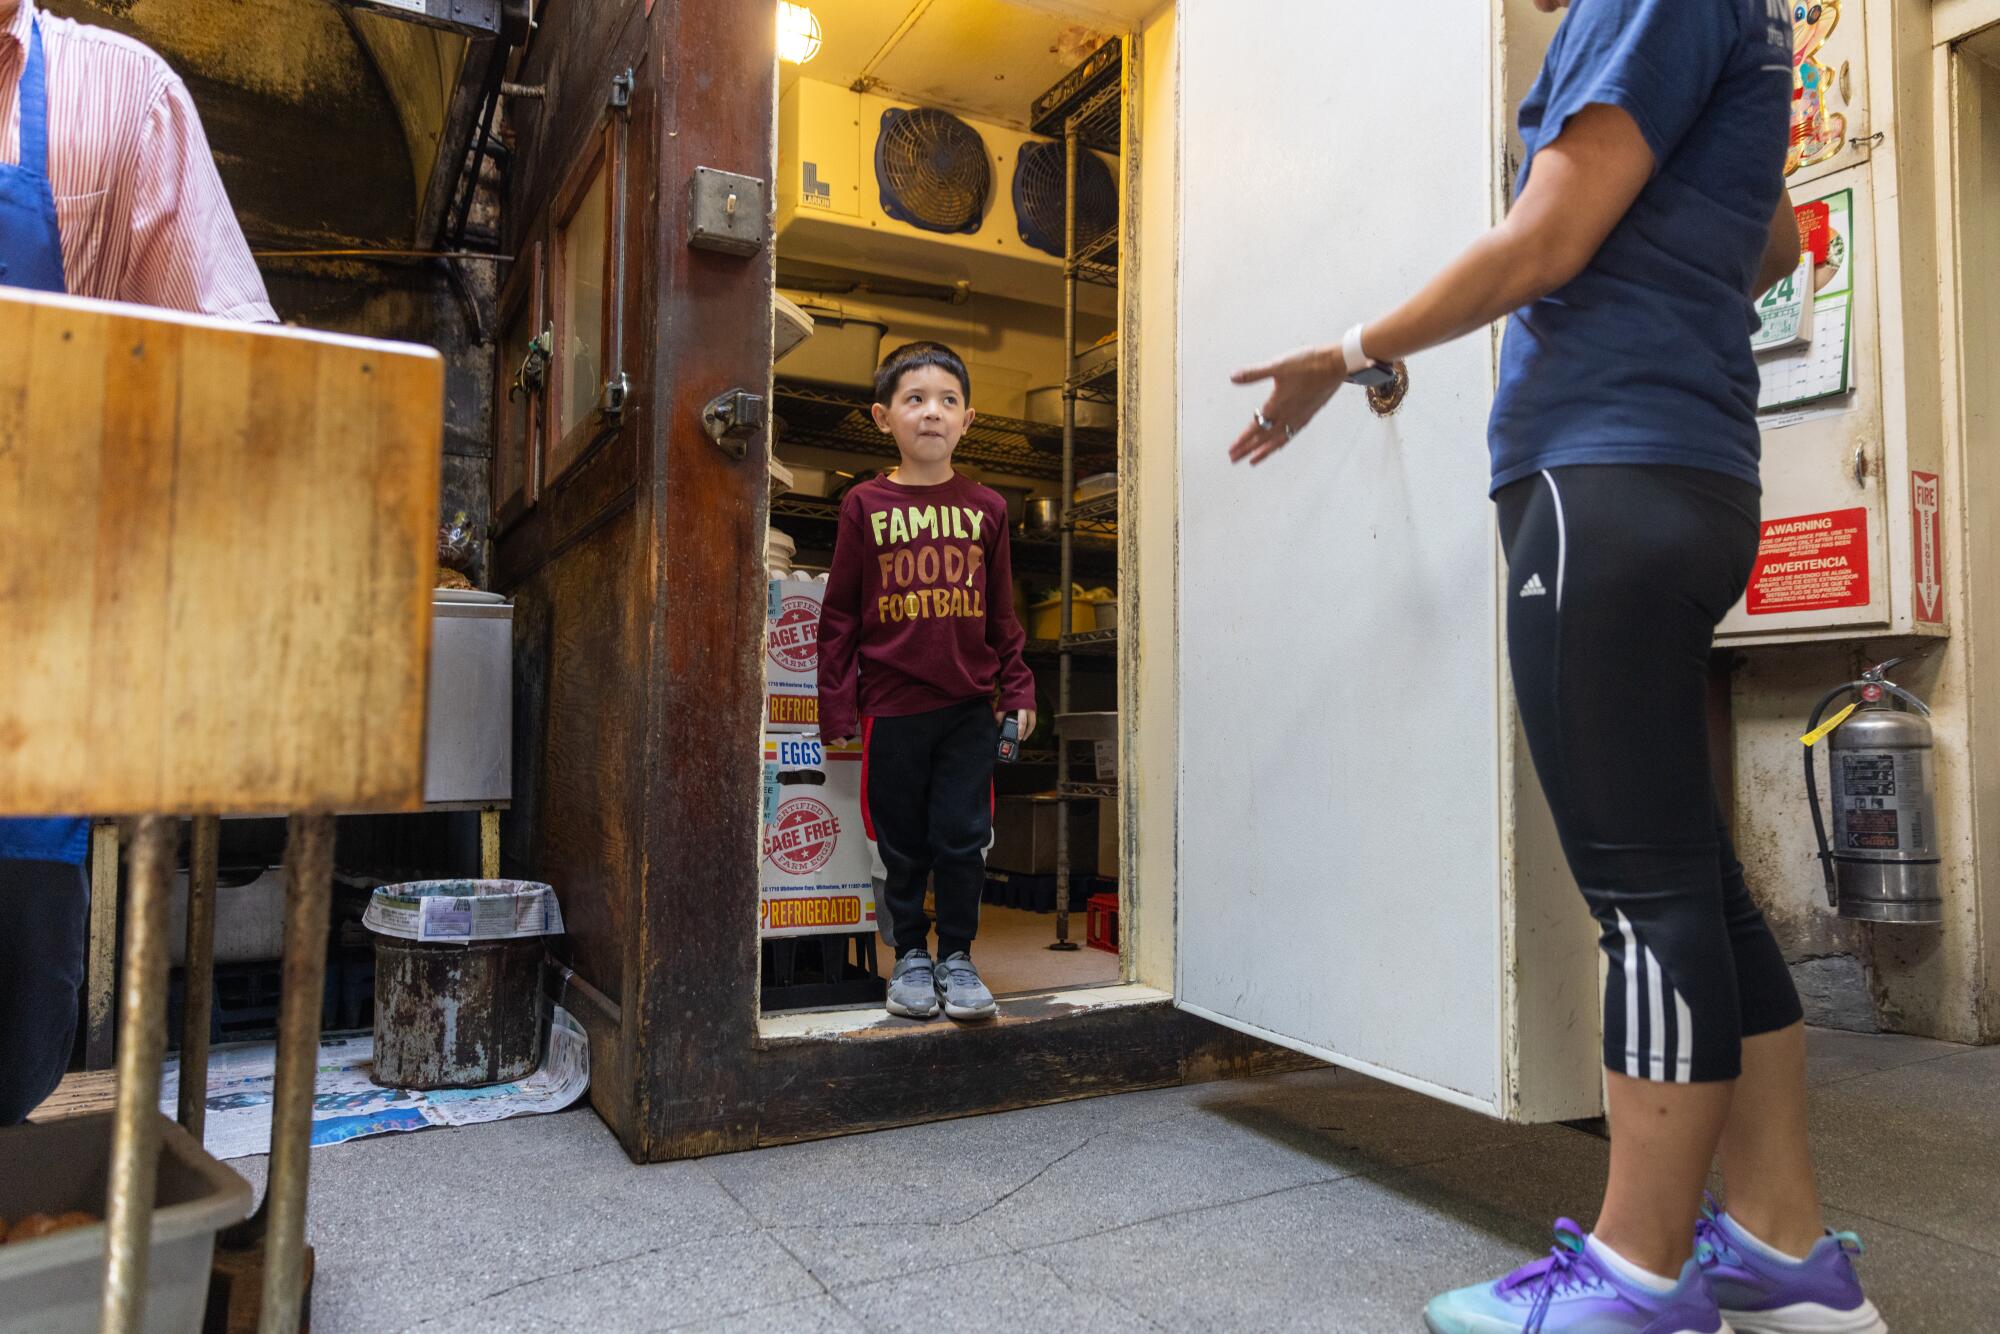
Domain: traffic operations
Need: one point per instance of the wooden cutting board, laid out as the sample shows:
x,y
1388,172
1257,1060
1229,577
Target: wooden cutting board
x,y
217,547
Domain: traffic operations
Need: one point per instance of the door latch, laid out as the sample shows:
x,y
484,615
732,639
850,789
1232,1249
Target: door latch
x,y
725,212
611,400
532,375
731,418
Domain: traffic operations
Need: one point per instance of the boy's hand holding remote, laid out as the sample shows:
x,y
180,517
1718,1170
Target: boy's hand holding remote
x,y
921,656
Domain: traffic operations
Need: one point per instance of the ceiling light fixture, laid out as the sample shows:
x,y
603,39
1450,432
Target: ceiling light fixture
x,y
798,33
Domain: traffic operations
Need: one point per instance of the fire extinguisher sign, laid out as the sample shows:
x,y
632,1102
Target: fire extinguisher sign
x,y
1928,570
1811,562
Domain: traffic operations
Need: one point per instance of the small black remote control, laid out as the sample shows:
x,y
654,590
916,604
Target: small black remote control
x,y
1010,741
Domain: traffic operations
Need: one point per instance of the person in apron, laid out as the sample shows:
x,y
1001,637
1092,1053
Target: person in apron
x,y
43,893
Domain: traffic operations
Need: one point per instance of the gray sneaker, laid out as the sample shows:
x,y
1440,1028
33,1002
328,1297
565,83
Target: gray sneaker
x,y
913,990
963,994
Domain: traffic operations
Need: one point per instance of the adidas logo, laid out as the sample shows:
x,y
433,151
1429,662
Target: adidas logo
x,y
1533,588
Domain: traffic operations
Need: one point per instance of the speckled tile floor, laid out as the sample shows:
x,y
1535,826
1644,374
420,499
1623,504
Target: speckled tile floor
x,y
1316,1201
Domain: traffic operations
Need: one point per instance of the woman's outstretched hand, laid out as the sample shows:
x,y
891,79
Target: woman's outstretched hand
x,y
1302,384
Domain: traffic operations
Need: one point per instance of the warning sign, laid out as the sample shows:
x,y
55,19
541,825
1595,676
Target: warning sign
x,y
1812,562
1924,532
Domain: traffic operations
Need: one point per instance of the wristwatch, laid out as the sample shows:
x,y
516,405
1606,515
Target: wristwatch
x,y
1361,368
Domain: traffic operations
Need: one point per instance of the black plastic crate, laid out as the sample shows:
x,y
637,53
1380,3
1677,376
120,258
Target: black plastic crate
x,y
246,998
1035,893
811,972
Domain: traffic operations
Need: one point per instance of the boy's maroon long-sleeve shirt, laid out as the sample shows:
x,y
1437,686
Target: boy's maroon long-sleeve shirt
x,y
919,606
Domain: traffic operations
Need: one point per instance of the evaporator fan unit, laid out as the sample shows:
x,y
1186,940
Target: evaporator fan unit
x,y
933,170
1038,197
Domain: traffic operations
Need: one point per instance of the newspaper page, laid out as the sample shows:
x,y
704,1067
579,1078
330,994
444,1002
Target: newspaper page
x,y
407,912
348,1104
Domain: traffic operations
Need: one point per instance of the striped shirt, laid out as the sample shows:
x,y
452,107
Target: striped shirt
x,y
142,212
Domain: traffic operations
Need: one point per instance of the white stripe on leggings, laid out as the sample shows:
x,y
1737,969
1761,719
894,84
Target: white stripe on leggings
x,y
1656,1012
1630,965
1562,536
1684,1054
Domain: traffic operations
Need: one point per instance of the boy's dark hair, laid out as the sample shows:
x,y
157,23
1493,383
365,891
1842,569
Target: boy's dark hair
x,y
915,356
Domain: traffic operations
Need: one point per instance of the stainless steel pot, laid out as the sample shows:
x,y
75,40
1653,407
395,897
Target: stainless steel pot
x,y
1046,406
1044,514
1016,498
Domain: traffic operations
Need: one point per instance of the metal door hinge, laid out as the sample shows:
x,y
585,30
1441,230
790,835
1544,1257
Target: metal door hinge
x,y
621,90
731,418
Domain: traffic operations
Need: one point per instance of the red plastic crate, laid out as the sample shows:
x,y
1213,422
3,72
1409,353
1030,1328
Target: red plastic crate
x,y
1101,923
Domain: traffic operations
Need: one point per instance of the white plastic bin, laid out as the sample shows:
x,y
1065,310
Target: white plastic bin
x,y
842,350
249,919
469,725
52,1285
779,548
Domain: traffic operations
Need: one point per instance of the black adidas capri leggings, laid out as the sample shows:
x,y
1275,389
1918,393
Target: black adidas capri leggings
x,y
1619,575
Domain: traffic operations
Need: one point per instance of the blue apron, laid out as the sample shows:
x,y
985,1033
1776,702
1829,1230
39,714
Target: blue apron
x,y
31,256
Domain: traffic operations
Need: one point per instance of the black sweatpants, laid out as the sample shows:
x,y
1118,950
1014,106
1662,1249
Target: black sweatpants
x,y
43,909
927,794
1619,575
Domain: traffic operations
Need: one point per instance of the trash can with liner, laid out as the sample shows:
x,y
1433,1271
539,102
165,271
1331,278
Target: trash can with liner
x,y
458,966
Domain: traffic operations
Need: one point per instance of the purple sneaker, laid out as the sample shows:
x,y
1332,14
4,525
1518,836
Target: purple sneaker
x,y
1570,1293
1763,1294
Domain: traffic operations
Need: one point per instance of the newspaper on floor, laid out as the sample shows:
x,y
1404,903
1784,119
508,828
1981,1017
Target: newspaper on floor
x,y
347,1104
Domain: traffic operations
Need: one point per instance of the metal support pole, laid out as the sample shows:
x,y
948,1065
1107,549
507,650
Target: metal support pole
x,y
489,843
204,849
308,899
1070,150
135,1134
101,979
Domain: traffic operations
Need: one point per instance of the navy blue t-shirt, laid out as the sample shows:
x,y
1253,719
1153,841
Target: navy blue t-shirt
x,y
1645,356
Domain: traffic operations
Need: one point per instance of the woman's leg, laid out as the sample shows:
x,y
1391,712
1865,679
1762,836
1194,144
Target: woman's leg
x,y
1766,1164
1620,575
1663,1139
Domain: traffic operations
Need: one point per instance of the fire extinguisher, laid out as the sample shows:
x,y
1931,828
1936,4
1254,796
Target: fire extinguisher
x,y
1883,862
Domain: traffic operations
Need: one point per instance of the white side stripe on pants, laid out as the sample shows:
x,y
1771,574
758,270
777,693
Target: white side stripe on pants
x,y
1562,536
1684,1047
1656,1018
1628,965
1653,1065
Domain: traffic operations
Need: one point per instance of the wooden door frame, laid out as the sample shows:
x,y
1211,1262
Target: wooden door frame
x,y
680,1067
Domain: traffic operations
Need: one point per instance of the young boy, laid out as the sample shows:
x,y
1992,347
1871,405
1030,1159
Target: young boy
x,y
920,653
